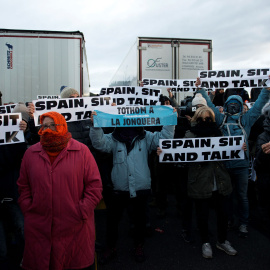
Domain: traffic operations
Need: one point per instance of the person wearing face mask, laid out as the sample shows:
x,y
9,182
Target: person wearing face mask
x,y
209,183
131,179
59,187
233,123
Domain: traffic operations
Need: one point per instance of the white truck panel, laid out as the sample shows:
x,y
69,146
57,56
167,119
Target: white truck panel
x,y
164,58
41,64
191,59
156,60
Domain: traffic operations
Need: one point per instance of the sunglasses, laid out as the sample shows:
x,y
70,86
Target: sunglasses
x,y
205,119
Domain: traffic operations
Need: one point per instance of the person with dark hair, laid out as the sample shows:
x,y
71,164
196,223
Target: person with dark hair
x,y
11,216
219,98
254,93
58,197
232,123
131,179
262,161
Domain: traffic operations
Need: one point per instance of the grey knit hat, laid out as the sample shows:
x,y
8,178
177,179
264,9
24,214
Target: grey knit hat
x,y
266,110
67,92
21,108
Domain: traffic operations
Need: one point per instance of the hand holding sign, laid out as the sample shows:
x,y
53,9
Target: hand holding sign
x,y
266,148
22,125
92,116
31,109
198,82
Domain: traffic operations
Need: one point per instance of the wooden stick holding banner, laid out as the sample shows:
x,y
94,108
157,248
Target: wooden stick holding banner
x,y
129,116
202,149
9,128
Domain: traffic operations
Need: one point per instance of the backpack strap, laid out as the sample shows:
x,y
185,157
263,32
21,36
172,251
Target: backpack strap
x,y
224,122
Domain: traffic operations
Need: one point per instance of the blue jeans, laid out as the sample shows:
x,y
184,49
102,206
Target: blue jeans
x,y
239,178
11,218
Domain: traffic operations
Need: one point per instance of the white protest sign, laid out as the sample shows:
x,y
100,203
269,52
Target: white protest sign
x,y
48,96
7,108
202,149
236,78
73,109
132,95
175,85
9,128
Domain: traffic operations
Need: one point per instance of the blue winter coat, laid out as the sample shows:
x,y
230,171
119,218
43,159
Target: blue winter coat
x,y
247,121
130,169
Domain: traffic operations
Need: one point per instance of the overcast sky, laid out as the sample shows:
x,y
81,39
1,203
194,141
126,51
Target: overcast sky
x,y
239,29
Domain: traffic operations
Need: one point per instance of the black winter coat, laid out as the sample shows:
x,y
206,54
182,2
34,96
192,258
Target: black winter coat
x,y
10,162
80,131
262,160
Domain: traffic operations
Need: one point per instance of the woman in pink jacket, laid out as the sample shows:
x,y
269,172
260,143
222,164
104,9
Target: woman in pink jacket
x,y
59,188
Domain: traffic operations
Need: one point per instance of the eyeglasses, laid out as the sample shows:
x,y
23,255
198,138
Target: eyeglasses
x,y
52,125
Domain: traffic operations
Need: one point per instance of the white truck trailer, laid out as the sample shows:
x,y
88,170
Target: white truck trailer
x,y
164,58
36,63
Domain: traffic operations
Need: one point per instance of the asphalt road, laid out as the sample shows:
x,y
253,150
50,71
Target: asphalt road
x,y
167,250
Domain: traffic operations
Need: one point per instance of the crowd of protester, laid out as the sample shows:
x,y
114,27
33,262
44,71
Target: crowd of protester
x,y
51,183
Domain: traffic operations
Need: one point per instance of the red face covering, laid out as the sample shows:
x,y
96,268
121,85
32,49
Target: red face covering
x,y
54,141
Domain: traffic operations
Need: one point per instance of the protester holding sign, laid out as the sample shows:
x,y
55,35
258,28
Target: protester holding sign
x,y
233,122
58,196
209,182
11,217
262,162
131,179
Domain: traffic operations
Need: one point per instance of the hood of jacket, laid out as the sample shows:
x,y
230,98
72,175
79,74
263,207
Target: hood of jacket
x,y
229,99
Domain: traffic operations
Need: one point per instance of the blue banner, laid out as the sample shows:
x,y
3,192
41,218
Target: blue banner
x,y
128,116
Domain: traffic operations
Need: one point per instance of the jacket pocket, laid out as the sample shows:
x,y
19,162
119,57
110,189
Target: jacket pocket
x,y
119,157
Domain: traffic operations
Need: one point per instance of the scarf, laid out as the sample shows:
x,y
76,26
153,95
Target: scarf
x,y
206,129
54,141
53,144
